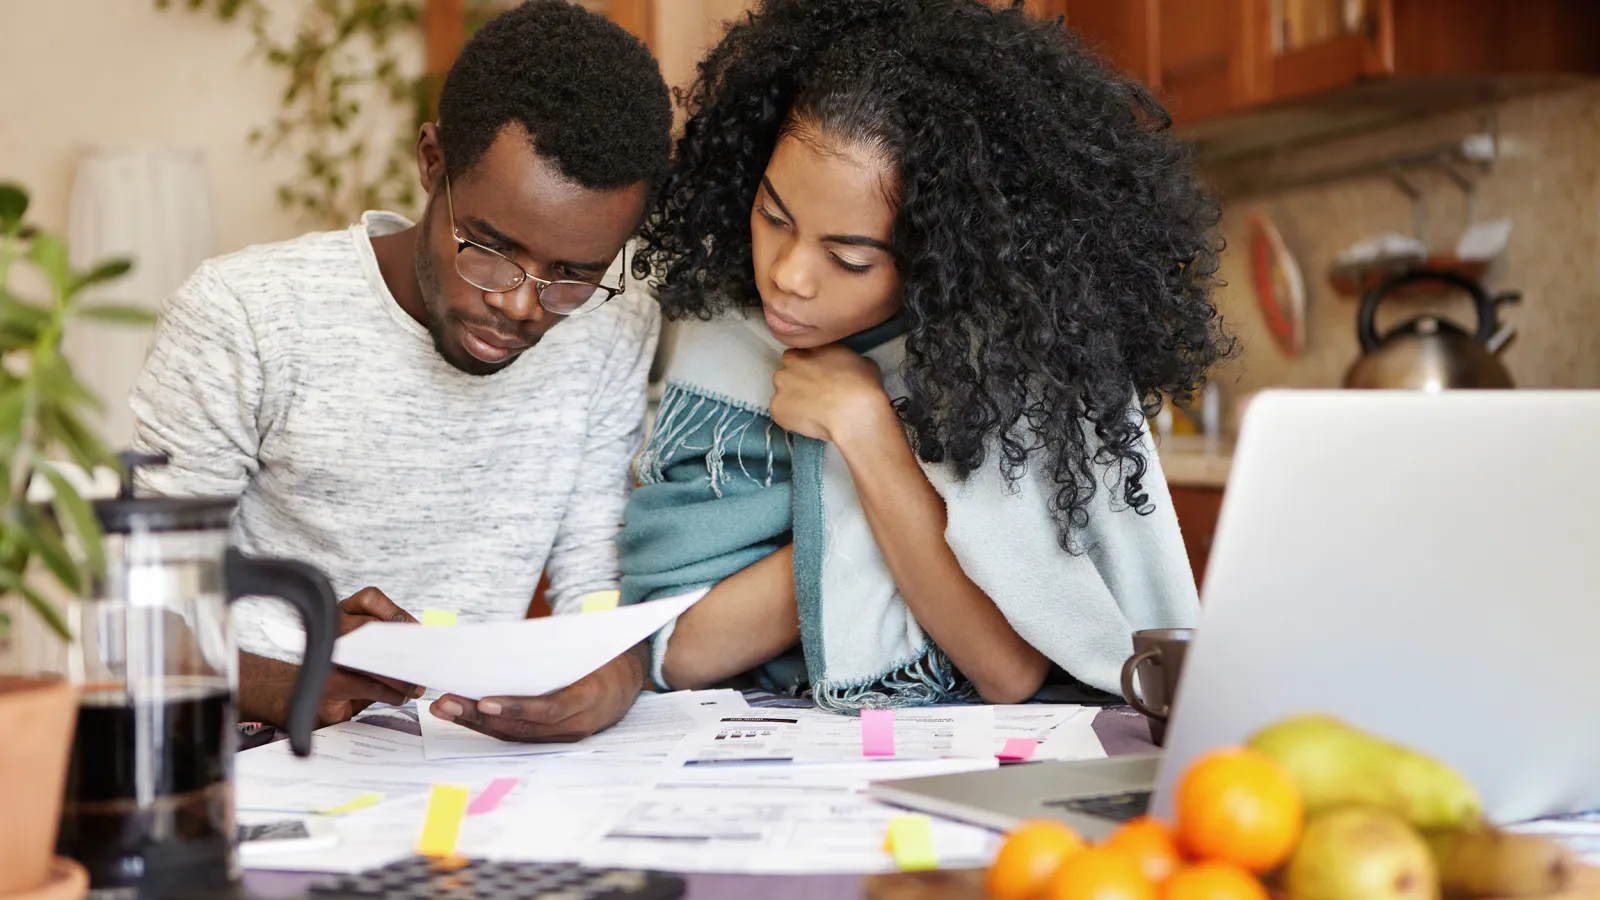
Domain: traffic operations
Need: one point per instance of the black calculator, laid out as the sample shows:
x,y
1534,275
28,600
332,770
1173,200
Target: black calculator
x,y
421,878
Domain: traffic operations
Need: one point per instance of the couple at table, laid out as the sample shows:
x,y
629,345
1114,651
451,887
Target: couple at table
x,y
931,264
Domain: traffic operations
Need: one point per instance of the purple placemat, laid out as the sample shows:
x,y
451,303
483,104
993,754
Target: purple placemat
x,y
1122,730
700,887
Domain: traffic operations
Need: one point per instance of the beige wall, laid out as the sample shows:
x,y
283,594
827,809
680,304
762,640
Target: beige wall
x,y
685,29
1548,184
75,74
81,73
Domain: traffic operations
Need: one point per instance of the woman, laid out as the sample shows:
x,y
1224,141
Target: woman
x,y
934,265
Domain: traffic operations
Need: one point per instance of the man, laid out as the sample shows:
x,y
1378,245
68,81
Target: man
x,y
437,413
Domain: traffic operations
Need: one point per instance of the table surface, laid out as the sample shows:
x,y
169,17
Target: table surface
x,y
1121,730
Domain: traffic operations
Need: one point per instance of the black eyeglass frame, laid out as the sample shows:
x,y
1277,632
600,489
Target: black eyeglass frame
x,y
539,284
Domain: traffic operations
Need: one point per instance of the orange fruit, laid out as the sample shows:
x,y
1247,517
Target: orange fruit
x,y
1030,855
1213,881
1238,805
1150,844
1100,873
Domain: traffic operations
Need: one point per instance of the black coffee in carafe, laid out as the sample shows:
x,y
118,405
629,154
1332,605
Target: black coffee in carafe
x,y
149,801
148,807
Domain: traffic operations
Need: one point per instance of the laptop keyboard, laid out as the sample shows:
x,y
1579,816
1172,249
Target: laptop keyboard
x,y
1116,807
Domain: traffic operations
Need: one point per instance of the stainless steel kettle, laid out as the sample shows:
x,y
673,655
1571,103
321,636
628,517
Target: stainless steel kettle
x,y
1429,353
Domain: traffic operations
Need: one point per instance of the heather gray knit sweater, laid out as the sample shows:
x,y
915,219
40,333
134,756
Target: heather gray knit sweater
x,y
288,376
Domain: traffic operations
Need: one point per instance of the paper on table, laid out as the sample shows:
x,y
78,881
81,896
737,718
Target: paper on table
x,y
653,727
560,801
810,735
1071,739
778,820
1064,731
525,658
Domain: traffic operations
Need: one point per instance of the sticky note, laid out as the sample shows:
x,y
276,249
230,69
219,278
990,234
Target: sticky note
x,y
910,842
877,732
491,796
438,617
1018,749
361,802
447,805
600,601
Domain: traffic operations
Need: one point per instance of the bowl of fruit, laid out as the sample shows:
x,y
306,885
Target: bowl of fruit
x,y
1310,808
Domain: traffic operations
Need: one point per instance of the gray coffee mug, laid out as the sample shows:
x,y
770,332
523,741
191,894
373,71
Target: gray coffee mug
x,y
1160,651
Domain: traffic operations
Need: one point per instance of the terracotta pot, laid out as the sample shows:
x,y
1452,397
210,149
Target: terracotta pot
x,y
37,716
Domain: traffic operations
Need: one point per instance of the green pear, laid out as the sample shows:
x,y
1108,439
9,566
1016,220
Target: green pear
x,y
1334,764
1361,853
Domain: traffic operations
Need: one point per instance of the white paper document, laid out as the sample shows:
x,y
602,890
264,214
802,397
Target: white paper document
x,y
663,789
524,658
814,735
1064,732
779,820
653,727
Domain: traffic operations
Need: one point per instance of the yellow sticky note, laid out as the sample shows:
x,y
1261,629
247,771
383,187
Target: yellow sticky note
x,y
438,617
447,805
361,802
910,842
600,601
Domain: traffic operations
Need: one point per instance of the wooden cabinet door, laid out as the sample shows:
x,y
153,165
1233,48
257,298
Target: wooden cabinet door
x,y
1211,56
1201,57
1125,33
1316,45
447,24
1197,510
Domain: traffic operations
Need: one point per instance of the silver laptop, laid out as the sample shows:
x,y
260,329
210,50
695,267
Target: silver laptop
x,y
1424,566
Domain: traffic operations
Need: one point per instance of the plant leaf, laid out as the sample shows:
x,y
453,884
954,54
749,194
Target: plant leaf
x,y
59,387
20,316
13,205
50,252
72,510
11,581
43,536
109,270
11,403
81,443
117,313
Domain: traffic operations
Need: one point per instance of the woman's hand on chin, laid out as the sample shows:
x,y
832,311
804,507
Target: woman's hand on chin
x,y
829,393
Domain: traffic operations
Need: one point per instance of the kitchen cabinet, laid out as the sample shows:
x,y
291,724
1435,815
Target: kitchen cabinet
x,y
1197,509
1326,65
447,24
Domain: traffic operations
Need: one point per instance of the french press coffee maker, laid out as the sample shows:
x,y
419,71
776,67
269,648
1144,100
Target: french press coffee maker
x,y
149,801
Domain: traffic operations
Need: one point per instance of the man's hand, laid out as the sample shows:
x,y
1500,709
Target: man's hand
x,y
593,704
369,605
266,684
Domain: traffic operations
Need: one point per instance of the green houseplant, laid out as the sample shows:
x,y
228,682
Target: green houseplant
x,y
42,407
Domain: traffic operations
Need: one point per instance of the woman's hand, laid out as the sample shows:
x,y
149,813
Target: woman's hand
x,y
827,392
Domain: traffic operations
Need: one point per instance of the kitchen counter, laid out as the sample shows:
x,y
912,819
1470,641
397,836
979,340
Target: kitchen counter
x,y
1195,462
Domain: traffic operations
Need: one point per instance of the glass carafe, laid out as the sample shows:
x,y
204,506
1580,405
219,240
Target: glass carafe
x,y
149,801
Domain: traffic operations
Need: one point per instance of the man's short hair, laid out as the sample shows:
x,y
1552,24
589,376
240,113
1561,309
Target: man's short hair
x,y
588,92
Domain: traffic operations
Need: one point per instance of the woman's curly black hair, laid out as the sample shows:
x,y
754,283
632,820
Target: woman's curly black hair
x,y
1056,254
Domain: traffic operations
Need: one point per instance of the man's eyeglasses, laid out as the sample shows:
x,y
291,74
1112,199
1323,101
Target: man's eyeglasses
x,y
489,270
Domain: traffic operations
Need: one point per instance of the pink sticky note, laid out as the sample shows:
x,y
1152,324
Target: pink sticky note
x,y
491,796
877,732
1018,749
